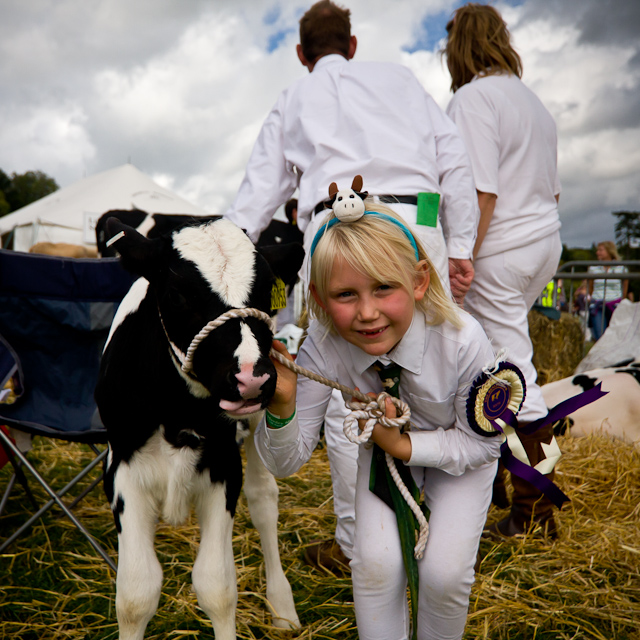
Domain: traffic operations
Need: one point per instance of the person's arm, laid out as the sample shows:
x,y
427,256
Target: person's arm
x,y
269,180
476,120
283,403
458,448
589,286
461,274
390,439
487,204
461,271
284,449
459,204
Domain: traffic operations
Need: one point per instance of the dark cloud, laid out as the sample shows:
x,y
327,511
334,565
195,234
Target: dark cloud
x,y
615,107
600,22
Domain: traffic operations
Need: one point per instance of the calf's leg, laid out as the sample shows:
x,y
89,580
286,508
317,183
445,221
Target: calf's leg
x,y
139,578
261,491
214,571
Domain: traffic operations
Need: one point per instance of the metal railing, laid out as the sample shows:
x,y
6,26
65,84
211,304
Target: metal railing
x,y
567,272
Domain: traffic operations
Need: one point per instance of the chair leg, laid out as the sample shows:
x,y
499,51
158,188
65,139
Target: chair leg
x,y
18,474
56,498
86,491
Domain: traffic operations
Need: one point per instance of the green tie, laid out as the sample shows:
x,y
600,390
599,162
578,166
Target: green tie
x,y
381,483
380,480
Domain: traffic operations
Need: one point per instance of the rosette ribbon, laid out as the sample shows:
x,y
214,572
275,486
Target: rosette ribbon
x,y
494,401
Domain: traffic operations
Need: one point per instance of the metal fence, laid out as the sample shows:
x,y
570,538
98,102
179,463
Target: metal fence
x,y
568,273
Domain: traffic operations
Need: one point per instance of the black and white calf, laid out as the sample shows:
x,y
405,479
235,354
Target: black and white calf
x,y
172,435
617,414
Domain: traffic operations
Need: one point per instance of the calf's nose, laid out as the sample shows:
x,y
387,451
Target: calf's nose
x,y
249,385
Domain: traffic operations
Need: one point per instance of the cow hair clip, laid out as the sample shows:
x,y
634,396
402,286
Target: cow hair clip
x,y
348,206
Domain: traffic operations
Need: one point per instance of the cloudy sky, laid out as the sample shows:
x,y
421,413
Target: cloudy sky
x,y
180,87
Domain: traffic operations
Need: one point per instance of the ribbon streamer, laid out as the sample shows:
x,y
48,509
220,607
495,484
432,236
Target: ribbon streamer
x,y
514,457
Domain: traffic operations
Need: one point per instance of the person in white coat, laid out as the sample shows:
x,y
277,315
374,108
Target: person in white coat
x,y
512,141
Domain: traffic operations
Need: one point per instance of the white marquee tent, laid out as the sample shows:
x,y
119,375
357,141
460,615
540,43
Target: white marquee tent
x,y
69,214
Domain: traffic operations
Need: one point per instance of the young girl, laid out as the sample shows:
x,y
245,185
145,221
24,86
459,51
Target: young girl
x,y
376,297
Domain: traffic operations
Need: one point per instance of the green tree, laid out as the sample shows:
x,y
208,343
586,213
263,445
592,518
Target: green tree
x,y
22,189
4,205
5,184
627,231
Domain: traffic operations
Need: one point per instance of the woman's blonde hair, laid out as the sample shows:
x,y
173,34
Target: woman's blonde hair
x,y
380,250
478,44
610,248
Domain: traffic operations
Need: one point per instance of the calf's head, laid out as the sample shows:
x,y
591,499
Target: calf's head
x,y
196,274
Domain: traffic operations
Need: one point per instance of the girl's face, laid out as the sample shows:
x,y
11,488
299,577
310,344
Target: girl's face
x,y
602,253
372,315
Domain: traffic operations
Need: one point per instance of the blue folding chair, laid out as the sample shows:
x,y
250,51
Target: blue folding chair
x,y
55,315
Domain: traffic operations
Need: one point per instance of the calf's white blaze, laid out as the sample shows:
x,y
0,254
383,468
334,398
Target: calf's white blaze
x,y
248,351
225,257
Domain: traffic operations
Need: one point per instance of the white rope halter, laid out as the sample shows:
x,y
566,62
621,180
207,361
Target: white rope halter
x,y
370,409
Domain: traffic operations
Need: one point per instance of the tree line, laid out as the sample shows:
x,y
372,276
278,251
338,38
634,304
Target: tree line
x,y
20,189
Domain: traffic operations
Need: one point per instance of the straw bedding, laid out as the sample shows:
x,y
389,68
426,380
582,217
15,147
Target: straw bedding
x,y
585,585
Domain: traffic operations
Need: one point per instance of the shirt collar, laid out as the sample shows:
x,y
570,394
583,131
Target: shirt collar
x,y
408,353
331,58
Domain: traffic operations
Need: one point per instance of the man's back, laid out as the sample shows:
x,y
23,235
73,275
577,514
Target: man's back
x,y
369,118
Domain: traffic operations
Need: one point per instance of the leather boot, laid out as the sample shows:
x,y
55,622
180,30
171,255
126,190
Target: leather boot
x,y
531,510
499,497
328,556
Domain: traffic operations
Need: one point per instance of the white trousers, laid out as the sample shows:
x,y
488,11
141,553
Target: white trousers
x,y
342,453
503,291
459,507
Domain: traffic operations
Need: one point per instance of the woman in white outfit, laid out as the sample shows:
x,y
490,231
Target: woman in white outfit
x,y
511,139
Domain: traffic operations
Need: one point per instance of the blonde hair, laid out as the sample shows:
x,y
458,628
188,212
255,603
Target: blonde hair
x,y
380,250
610,248
478,44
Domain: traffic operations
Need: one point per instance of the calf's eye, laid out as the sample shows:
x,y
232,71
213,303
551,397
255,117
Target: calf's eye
x,y
176,298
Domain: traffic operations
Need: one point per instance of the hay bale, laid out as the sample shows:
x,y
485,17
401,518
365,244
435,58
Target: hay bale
x,y
557,345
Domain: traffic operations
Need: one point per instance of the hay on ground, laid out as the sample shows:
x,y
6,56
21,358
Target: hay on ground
x,y
585,585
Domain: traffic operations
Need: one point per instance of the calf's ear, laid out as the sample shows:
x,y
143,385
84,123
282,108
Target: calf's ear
x,y
138,254
285,260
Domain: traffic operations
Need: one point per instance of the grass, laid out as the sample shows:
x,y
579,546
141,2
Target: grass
x,y
585,585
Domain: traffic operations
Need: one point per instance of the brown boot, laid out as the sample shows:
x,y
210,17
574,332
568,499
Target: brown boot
x,y
531,510
500,498
327,555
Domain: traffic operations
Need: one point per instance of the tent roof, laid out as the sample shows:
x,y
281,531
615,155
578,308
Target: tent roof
x,y
124,187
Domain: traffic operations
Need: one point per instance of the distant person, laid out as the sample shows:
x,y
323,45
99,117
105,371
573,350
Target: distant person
x,y
605,295
372,119
512,141
279,232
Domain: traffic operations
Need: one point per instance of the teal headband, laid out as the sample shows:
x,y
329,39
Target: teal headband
x,y
334,221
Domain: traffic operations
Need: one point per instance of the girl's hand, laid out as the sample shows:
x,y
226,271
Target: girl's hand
x,y
390,439
283,403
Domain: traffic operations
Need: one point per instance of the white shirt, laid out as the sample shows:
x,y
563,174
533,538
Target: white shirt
x,y
610,289
348,118
439,365
512,141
